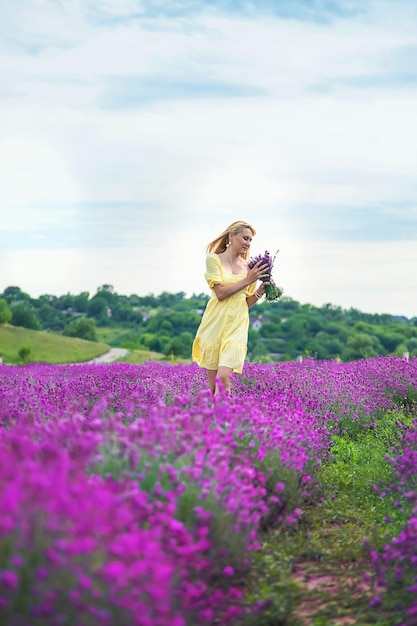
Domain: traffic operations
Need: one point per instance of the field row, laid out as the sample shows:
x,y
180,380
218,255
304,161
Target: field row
x,y
129,497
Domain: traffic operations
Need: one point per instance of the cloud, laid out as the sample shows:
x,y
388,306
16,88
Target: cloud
x,y
82,226
383,81
9,94
33,27
125,92
355,223
309,10
36,26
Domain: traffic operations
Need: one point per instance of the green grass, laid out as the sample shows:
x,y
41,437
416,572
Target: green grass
x,y
311,573
46,347
110,334
140,356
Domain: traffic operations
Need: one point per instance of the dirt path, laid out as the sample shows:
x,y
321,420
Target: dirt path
x,y
334,594
112,355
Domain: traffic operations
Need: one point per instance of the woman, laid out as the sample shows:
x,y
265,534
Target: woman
x,y
220,344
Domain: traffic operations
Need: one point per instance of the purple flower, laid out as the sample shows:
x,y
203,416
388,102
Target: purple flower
x,y
9,579
272,291
228,571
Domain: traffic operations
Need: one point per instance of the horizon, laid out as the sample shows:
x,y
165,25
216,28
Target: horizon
x,y
189,295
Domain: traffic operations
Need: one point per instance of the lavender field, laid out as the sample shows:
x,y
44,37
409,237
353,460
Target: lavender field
x,y
128,497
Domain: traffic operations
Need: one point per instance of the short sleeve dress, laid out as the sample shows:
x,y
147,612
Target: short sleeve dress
x,y
222,336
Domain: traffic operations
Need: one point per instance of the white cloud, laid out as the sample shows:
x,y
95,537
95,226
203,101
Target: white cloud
x,y
33,171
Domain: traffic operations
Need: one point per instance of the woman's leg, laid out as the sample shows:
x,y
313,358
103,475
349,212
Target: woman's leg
x,y
223,374
211,377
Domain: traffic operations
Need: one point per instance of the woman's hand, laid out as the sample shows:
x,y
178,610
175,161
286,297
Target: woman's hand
x,y
258,272
261,289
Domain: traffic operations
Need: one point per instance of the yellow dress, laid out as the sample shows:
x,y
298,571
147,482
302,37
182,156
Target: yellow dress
x,y
222,336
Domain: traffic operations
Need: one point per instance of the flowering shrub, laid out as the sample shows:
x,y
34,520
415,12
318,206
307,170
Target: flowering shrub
x,y
127,498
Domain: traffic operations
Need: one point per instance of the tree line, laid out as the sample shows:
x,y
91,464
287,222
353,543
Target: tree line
x,y
167,323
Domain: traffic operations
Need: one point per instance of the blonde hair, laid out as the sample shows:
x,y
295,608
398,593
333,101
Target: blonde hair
x,y
219,244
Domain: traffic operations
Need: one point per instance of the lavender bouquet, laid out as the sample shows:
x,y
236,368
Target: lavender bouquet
x,y
272,291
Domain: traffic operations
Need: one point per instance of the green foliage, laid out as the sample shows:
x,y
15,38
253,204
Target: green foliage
x,y
390,340
50,318
412,346
166,324
98,309
270,329
24,354
180,346
259,353
271,589
357,465
328,345
123,314
23,315
83,328
400,350
360,346
80,302
5,312
15,294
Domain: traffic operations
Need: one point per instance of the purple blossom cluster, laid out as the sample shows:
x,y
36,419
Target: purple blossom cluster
x,y
127,497
272,291
345,396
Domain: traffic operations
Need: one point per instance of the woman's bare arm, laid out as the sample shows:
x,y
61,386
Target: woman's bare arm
x,y
225,291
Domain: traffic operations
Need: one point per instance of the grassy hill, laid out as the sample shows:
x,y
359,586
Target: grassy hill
x,y
46,347
114,336
137,357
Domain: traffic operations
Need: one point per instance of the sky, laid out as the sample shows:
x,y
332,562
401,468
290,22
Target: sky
x,y
133,132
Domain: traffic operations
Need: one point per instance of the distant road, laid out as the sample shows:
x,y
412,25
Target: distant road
x,y
108,357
